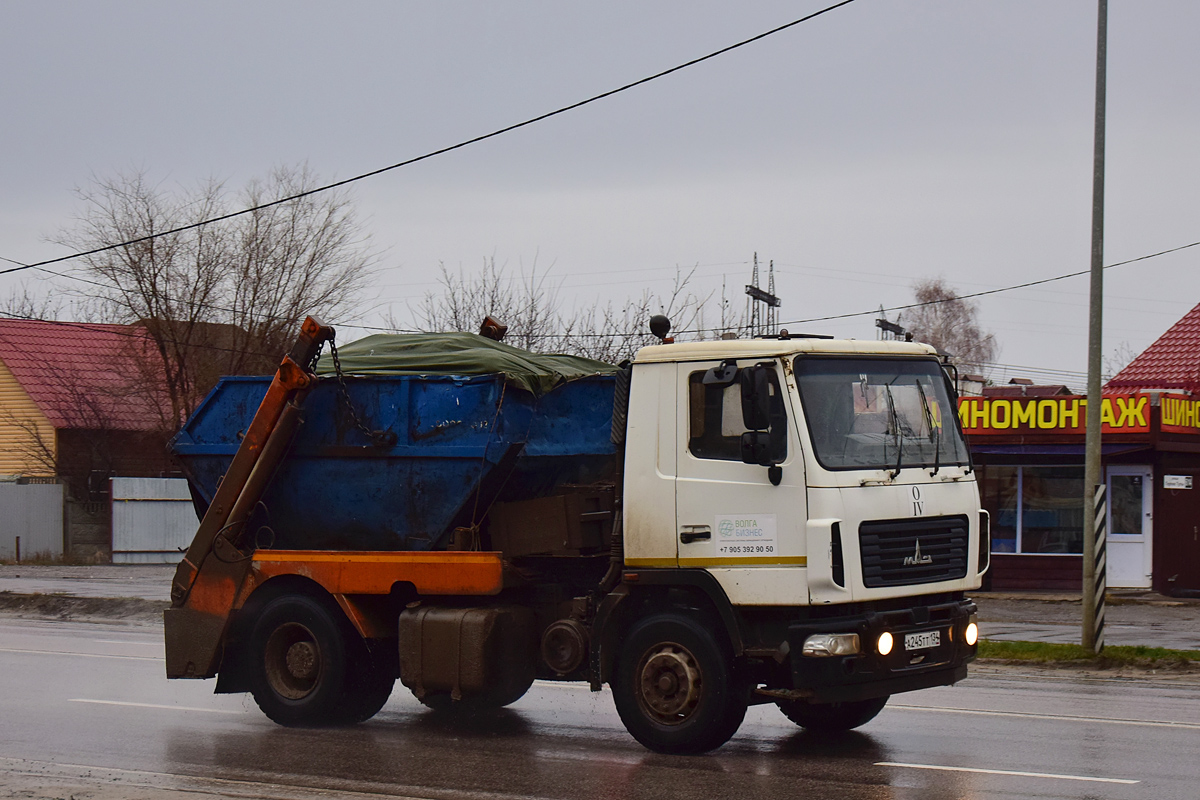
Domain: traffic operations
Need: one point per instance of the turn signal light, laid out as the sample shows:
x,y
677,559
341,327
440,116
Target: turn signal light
x,y
884,645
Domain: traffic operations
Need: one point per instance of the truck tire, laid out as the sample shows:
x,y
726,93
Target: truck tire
x,y
832,717
675,687
299,672
370,687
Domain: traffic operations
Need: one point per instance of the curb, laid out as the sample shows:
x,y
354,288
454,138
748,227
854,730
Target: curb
x,y
92,609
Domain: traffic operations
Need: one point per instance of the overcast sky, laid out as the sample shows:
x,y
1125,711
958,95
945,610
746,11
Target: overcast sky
x,y
879,144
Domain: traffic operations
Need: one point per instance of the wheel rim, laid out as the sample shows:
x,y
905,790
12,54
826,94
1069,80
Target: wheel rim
x,y
292,661
669,683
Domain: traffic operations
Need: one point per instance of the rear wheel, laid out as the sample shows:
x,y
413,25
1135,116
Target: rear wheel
x,y
299,672
832,717
369,689
675,688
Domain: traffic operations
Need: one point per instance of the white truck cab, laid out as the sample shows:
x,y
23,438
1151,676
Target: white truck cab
x,y
818,497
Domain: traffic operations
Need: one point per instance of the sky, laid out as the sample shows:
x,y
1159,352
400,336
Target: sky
x,y
877,145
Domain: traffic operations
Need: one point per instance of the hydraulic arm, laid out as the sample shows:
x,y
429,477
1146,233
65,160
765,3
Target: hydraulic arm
x,y
212,573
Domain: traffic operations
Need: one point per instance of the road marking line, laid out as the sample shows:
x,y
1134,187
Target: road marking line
x,y
151,705
84,655
1057,717
121,641
1006,772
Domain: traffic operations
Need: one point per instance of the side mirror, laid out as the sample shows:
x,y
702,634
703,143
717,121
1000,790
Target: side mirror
x,y
756,397
762,448
756,448
764,413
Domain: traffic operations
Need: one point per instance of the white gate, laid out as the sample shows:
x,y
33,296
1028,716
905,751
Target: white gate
x,y
153,520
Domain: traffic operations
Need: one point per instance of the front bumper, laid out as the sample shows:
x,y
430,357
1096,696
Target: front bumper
x,y
869,674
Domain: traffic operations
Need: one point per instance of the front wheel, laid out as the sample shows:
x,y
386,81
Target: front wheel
x,y
832,717
675,688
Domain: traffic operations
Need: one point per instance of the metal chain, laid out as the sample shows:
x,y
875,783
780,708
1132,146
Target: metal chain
x,y
378,437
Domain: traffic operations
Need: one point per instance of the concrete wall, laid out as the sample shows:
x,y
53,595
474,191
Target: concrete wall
x,y
34,512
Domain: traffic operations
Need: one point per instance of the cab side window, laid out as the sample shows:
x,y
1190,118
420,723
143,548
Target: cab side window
x,y
715,422
714,419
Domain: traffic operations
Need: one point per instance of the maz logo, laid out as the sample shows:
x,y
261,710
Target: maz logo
x,y
916,559
918,503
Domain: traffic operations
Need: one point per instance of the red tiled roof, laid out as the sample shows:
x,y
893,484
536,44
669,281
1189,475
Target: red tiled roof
x,y
1172,362
82,375
1026,390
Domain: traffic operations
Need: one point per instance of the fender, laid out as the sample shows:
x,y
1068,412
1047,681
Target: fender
x,y
608,622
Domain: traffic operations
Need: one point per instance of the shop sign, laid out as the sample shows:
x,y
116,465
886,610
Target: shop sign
x,y
1180,414
1177,481
1049,415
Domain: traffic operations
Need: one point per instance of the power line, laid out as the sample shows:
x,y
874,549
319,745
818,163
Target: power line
x,y
440,151
988,291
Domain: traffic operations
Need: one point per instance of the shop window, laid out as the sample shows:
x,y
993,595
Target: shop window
x,y
998,490
1034,509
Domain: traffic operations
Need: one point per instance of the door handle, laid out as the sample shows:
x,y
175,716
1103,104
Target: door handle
x,y
691,533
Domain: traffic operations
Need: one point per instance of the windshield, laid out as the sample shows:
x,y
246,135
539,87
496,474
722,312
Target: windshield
x,y
878,413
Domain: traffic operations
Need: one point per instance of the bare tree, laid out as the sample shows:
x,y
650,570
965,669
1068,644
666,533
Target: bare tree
x,y
1118,359
225,297
22,304
527,304
951,324
530,306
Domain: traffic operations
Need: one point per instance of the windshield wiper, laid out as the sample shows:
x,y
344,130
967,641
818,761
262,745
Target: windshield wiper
x,y
896,428
935,432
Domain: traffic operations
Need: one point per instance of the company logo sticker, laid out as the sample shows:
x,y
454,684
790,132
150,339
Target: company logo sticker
x,y
746,535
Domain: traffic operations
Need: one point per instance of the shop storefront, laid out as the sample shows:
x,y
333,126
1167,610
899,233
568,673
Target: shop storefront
x,y
1029,452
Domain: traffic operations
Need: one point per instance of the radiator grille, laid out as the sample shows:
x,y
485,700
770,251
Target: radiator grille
x,y
901,552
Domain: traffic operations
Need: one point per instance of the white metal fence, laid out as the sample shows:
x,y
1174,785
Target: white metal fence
x,y
31,520
153,520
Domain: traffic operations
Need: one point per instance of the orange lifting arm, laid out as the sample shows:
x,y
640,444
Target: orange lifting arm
x,y
209,578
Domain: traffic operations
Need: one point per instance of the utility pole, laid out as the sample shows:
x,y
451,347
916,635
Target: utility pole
x,y
1094,562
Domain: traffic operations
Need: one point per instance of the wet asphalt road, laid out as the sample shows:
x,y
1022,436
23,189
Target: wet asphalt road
x,y
85,711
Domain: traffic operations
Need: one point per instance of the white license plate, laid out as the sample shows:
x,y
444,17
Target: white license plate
x,y
923,640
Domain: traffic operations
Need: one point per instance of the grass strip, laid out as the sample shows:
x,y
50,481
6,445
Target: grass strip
x,y
1112,656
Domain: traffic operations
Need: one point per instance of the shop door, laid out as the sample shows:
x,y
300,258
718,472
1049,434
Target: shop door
x,y
1130,526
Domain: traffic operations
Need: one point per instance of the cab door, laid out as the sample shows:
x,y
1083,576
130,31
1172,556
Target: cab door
x,y
731,519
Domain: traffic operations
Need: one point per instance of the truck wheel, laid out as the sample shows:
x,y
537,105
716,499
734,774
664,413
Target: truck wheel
x,y
299,672
674,686
832,717
369,690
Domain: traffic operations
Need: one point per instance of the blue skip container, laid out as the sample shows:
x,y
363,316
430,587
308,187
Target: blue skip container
x,y
453,446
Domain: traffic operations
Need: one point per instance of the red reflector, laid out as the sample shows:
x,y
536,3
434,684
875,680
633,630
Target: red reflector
x,y
631,577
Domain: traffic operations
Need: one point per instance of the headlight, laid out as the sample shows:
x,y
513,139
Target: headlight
x,y
884,645
821,645
971,636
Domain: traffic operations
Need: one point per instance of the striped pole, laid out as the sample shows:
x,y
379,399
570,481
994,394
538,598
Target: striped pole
x,y
1101,534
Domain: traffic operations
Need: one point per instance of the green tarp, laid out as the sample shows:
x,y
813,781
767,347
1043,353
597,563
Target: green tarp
x,y
459,354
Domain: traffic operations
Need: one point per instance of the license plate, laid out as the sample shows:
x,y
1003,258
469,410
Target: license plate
x,y
923,640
